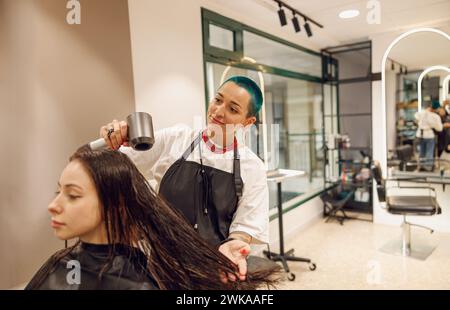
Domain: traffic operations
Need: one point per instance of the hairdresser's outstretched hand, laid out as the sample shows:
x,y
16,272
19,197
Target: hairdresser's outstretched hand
x,y
115,134
236,251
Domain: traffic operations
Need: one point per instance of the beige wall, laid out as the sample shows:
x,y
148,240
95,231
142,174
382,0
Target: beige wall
x,y
58,84
168,60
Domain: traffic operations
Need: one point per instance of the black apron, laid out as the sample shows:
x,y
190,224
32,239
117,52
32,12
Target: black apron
x,y
206,196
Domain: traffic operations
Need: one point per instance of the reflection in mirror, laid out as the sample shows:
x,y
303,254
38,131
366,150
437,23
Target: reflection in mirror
x,y
445,87
417,110
436,84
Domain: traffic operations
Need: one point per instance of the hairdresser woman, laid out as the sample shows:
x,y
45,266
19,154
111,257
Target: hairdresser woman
x,y
210,176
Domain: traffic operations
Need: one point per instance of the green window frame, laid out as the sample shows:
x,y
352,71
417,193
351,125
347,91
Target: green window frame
x,y
234,58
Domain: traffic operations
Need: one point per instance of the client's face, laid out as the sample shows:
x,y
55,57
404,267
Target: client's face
x,y
76,209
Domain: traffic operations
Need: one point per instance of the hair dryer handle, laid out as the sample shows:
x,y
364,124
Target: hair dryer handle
x,y
99,144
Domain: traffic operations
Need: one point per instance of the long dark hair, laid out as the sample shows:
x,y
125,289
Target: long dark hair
x,y
134,215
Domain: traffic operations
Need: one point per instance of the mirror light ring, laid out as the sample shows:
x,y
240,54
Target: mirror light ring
x,y
419,82
445,87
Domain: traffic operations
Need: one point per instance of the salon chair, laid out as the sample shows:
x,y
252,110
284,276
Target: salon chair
x,y
404,155
416,205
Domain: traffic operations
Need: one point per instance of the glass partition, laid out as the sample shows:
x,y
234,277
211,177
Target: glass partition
x,y
296,107
292,78
275,54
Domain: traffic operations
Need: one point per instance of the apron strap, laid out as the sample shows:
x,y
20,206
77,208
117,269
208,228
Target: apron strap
x,y
191,148
238,184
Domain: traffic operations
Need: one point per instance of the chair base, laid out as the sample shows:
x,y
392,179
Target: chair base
x,y
418,250
289,256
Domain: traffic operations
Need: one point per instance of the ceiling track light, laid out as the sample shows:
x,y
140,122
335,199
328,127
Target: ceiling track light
x,y
295,15
403,68
282,15
295,23
307,28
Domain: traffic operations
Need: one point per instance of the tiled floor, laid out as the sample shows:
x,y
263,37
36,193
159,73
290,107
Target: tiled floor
x,y
347,257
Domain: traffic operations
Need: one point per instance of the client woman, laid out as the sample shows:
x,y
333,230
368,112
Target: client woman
x,y
128,237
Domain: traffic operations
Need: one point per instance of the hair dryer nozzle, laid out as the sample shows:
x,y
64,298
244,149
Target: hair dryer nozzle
x,y
140,131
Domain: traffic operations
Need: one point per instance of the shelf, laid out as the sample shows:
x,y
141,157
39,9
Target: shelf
x,y
354,185
358,206
357,148
355,114
350,162
358,185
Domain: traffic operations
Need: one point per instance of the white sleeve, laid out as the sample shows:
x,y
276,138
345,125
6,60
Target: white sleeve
x,y
145,160
252,214
437,124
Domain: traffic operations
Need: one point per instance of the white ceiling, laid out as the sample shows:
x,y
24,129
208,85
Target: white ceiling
x,y
396,15
422,50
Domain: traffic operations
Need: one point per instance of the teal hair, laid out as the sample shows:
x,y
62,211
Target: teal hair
x,y
256,97
435,105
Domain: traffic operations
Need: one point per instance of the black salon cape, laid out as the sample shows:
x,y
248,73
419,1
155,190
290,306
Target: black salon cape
x,y
125,273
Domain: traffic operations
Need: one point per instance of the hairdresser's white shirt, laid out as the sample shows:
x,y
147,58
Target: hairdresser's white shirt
x,y
252,214
427,121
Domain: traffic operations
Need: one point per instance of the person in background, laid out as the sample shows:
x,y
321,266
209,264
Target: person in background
x,y
429,121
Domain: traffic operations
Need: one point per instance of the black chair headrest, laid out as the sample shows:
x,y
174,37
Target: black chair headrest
x,y
404,152
376,172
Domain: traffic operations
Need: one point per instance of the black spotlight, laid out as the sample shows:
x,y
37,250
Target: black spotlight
x,y
392,66
295,23
282,16
308,29
401,70
406,70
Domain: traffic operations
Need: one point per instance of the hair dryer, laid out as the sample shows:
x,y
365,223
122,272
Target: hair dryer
x,y
140,133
